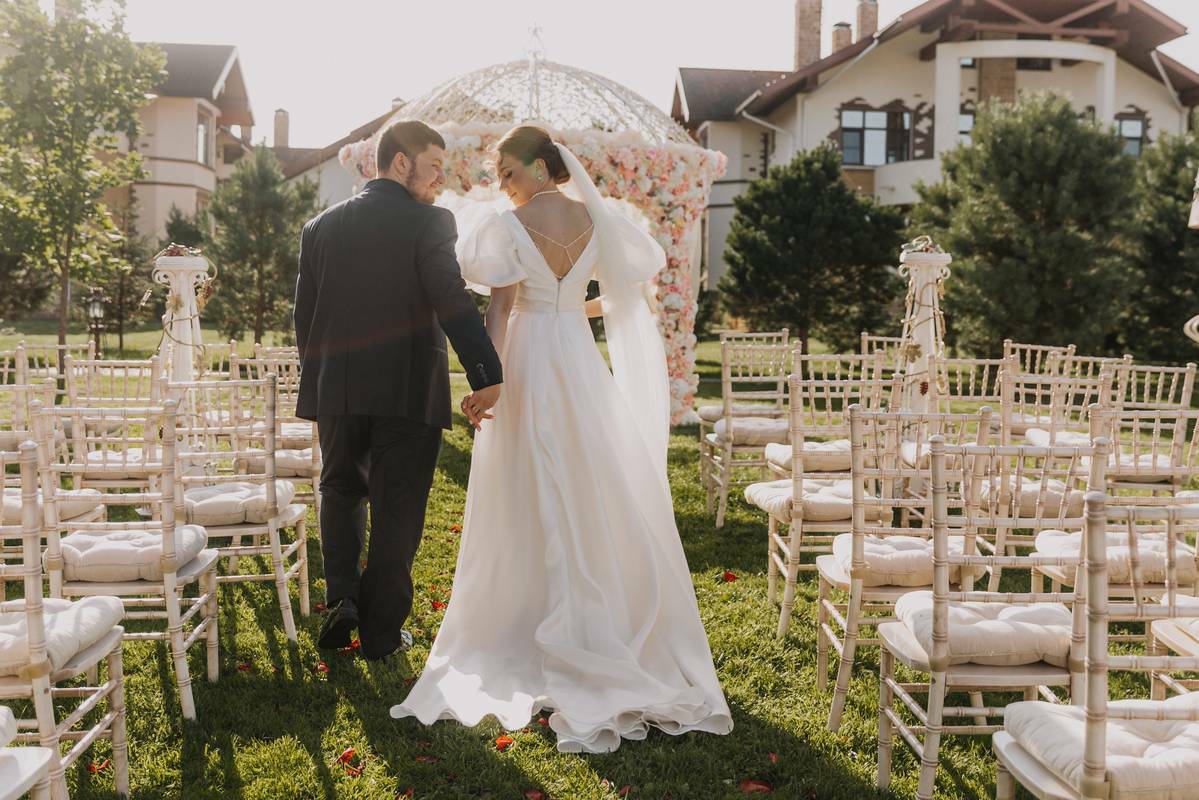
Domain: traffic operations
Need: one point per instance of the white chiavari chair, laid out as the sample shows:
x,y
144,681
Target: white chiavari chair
x,y
889,347
1141,387
1099,748
149,561
48,642
1036,359
1051,409
967,641
298,456
23,770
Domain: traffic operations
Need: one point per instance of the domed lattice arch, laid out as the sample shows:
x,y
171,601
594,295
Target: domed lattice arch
x,y
634,151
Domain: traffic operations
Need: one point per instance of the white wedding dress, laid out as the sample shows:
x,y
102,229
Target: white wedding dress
x,y
572,592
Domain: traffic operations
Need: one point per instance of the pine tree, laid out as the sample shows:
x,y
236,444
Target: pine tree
x,y
1164,266
256,218
807,252
182,229
129,271
1034,213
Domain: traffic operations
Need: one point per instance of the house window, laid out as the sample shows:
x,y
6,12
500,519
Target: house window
x,y
203,141
1035,64
874,138
1132,130
966,127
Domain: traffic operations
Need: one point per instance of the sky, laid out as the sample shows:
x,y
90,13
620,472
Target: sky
x,y
335,65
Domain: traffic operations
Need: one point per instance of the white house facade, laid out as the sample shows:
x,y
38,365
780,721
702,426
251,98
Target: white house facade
x,y
895,98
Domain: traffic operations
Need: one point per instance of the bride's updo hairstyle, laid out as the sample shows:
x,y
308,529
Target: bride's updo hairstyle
x,y
529,143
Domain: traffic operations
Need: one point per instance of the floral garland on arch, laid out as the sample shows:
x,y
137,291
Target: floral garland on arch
x,y
668,183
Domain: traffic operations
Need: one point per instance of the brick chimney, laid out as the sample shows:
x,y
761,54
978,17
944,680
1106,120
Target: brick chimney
x,y
807,32
842,36
867,18
282,125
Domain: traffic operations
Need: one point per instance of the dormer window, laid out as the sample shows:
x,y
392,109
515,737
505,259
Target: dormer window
x,y
872,138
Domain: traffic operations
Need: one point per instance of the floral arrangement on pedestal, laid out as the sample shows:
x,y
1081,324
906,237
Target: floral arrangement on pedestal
x,y
668,183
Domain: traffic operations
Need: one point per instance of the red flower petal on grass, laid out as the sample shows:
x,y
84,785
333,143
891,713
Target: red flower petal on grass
x,y
353,771
245,667
750,786
93,767
320,608
455,528
322,667
406,793
774,758
425,759
347,755
503,743
535,794
728,577
438,605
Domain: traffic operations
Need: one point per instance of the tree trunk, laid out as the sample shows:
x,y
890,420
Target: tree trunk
x,y
803,334
260,310
64,287
121,316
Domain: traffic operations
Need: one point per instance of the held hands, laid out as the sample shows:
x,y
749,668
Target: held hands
x,y
476,405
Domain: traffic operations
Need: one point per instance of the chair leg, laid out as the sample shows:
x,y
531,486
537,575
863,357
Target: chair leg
x,y
1157,689
41,789
825,594
849,646
1005,785
235,560
178,652
316,492
120,744
772,568
280,570
48,737
792,575
976,700
886,736
726,478
212,612
302,554
930,756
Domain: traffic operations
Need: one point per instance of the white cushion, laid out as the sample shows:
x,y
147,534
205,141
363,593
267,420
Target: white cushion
x,y
823,500
288,463
997,634
1189,494
8,726
1145,759
120,556
715,412
915,454
1021,421
74,503
897,560
113,464
234,503
1143,468
830,456
1151,549
71,626
1039,437
294,435
755,431
1051,496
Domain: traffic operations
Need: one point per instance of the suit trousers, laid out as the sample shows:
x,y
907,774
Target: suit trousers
x,y
390,462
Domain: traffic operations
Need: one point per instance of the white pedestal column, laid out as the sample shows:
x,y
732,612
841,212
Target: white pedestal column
x,y
923,326
181,274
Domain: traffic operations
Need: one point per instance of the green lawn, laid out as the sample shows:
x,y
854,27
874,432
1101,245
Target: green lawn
x,y
275,730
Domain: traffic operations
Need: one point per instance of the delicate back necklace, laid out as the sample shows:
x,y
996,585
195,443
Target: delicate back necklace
x,y
543,191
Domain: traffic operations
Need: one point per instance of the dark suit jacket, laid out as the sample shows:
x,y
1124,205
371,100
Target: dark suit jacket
x,y
378,285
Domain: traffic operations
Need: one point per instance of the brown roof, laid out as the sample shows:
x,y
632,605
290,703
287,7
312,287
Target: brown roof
x,y
296,160
714,94
210,71
1145,28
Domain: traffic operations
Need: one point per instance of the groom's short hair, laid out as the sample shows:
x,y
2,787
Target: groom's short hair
x,y
408,136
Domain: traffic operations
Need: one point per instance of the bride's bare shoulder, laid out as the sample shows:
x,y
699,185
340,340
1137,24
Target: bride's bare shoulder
x,y
565,212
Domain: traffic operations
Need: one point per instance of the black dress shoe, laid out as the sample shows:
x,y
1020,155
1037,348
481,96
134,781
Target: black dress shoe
x,y
405,643
340,622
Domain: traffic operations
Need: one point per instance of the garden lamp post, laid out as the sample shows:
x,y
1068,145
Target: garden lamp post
x,y
95,315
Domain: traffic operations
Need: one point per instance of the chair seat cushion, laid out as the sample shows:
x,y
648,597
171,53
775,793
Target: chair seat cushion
x,y
235,502
994,634
288,463
120,556
831,456
1050,497
1146,759
712,413
897,560
74,503
1020,421
755,431
71,626
1040,437
1151,548
8,726
113,464
1143,468
916,454
824,500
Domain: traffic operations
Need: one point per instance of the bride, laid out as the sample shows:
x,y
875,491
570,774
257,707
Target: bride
x,y
571,592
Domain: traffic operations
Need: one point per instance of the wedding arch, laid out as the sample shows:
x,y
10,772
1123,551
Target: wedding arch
x,y
638,156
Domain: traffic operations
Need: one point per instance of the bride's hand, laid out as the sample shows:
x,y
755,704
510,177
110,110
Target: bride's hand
x,y
476,405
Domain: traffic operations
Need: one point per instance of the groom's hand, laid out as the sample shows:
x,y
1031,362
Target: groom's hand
x,y
476,405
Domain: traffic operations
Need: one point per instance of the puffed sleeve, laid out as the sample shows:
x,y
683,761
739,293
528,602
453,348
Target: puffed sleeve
x,y
488,256
630,255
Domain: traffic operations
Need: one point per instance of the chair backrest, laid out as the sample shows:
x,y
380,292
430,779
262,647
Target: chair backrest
x,y
28,529
112,383
889,347
1178,523
1036,359
218,361
44,360
753,372
1149,448
838,366
15,400
110,431
967,384
1076,366
221,428
820,409
1054,403
1148,388
782,336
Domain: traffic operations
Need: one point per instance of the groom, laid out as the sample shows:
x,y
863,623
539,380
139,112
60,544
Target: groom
x,y
378,285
